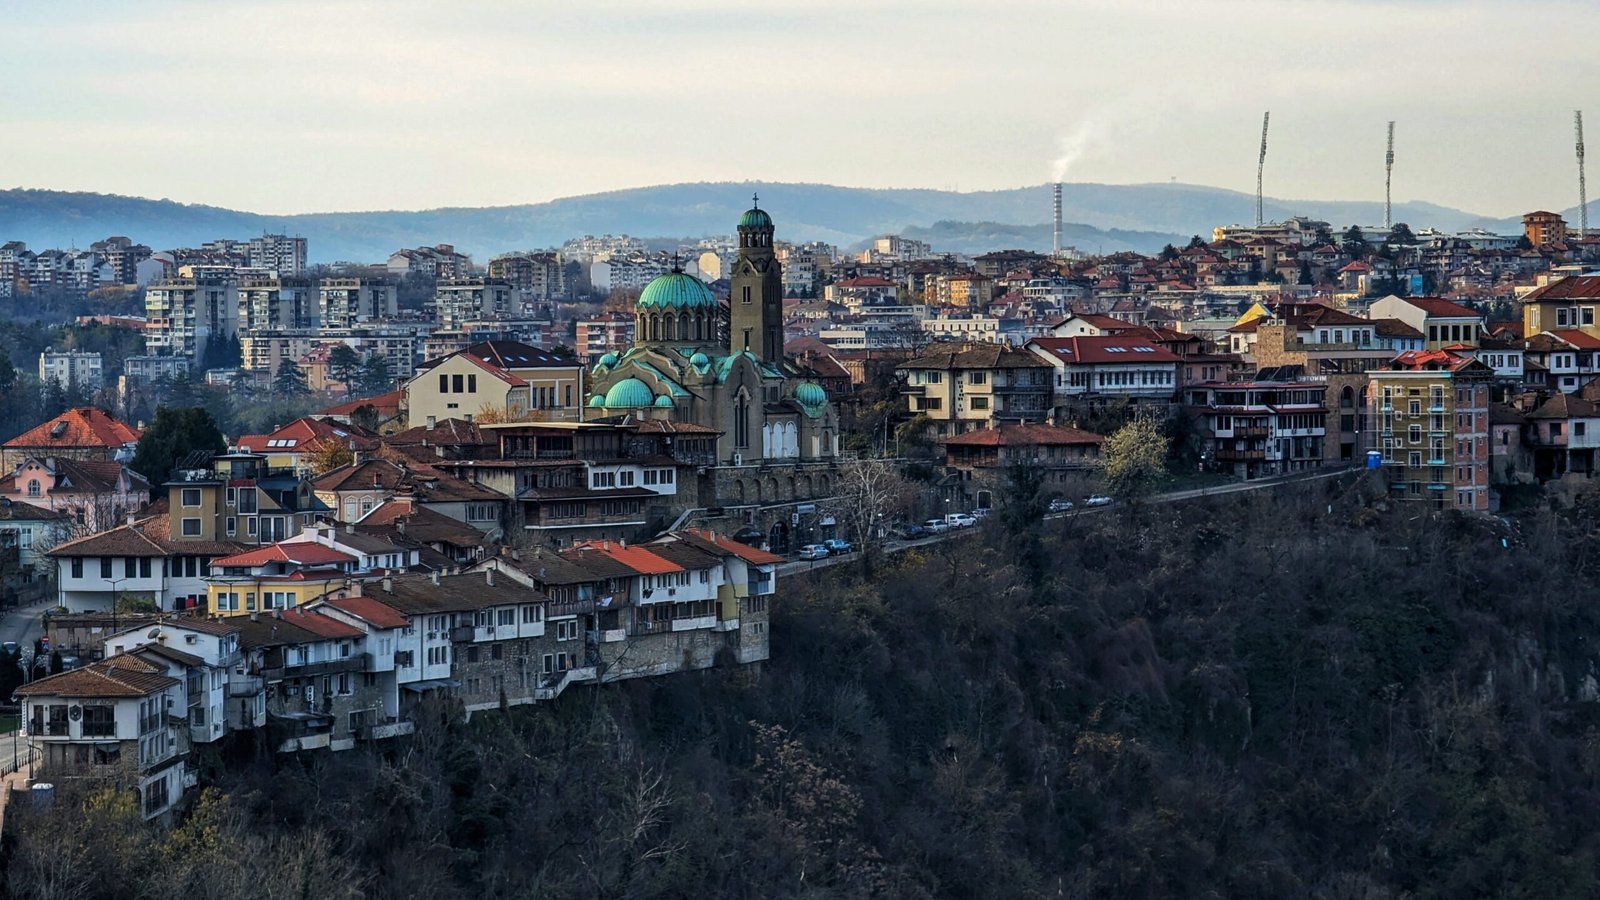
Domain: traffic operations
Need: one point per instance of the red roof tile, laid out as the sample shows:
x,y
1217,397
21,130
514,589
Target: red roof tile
x,y
1442,308
305,553
1024,435
371,611
636,558
84,426
1107,349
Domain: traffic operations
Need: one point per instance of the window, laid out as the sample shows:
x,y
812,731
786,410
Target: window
x,y
191,497
77,567
444,384
567,630
458,384
191,527
99,721
144,567
33,487
497,651
228,601
934,377
507,617
472,384
977,377
105,567
1587,316
530,614
472,654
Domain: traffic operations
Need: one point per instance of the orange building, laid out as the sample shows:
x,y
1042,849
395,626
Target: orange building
x,y
1544,228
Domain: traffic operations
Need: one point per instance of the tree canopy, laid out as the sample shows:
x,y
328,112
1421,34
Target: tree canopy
x,y
174,435
1134,458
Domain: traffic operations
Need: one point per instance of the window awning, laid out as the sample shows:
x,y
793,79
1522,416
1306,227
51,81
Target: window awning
x,y
432,684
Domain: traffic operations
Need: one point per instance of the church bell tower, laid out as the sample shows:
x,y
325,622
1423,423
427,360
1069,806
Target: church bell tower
x,y
755,309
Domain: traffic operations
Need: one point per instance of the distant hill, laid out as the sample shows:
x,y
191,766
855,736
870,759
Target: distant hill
x,y
1139,216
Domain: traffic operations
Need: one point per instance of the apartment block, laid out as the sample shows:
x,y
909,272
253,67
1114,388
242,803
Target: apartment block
x,y
72,368
1431,410
347,302
181,314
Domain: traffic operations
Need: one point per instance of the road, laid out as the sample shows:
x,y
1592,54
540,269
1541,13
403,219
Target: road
x,y
24,623
803,565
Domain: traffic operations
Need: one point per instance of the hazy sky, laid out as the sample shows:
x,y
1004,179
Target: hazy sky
x,y
286,106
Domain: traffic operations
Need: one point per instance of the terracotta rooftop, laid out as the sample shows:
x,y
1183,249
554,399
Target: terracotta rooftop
x,y
1573,287
305,553
1104,349
82,427
721,545
370,611
123,675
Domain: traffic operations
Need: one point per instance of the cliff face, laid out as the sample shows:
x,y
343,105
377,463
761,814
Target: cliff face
x,y
1267,696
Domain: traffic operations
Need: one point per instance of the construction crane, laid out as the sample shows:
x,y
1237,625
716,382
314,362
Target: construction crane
x,y
1261,167
1583,189
1388,181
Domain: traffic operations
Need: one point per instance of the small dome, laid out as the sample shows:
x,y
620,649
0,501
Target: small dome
x,y
676,290
597,401
609,360
699,360
629,393
810,394
755,217
664,402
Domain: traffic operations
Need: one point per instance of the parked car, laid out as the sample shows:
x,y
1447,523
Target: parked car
x,y
837,545
910,531
936,526
980,513
1059,505
960,520
1097,500
813,551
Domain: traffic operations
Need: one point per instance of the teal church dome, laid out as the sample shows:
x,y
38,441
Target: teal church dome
x,y
597,401
608,360
810,394
629,393
664,402
755,217
676,290
699,360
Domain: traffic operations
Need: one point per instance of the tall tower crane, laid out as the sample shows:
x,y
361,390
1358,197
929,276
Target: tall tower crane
x,y
1261,167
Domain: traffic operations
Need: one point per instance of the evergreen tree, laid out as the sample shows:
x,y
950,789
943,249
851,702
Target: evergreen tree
x,y
290,381
374,377
1305,273
181,393
1355,243
175,434
1196,241
344,364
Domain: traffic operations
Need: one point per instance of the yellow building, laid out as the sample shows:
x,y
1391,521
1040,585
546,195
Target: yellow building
x,y
1431,412
279,576
501,380
1568,303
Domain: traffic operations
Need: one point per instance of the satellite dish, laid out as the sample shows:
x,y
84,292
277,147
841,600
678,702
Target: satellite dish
x,y
154,633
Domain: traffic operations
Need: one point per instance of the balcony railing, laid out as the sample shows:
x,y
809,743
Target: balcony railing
x,y
1253,431
244,685
355,662
1259,455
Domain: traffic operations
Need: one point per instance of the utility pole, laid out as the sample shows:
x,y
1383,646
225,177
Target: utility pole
x,y
1261,167
1388,180
1583,189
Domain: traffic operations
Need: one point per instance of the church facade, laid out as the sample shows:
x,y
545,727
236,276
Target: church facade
x,y
698,360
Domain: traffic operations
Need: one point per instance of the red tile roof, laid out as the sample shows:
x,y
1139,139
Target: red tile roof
x,y
387,405
1573,287
1024,435
372,612
711,542
1104,349
1418,360
636,558
84,426
305,432
305,553
123,675
320,625
1579,340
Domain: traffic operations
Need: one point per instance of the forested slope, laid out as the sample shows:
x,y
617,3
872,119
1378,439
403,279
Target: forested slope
x,y
1264,696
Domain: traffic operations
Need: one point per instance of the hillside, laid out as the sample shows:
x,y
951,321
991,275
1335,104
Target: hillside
x,y
1299,695
804,212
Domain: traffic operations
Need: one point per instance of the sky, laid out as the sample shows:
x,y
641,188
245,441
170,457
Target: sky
x,y
286,106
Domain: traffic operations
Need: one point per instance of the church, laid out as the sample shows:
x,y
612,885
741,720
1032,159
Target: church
x,y
699,361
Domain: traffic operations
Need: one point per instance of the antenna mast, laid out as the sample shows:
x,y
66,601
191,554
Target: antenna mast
x,y
1261,166
1583,189
1388,180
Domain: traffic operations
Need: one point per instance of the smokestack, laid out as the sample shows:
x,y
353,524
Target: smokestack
x,y
1055,244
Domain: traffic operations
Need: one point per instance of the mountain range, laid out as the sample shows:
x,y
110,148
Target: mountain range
x,y
1098,217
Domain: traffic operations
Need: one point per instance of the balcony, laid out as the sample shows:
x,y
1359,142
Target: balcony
x,y
1254,455
355,662
384,730
571,607
244,685
461,634
1254,431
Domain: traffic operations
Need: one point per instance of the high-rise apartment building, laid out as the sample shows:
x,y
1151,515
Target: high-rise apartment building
x,y
72,368
183,313
463,300
345,302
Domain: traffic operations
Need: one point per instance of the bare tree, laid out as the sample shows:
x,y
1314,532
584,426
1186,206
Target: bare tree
x,y
872,493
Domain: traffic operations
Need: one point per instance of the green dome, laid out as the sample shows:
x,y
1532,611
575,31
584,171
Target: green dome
x,y
675,290
629,393
810,394
755,218
664,402
699,360
597,401
608,360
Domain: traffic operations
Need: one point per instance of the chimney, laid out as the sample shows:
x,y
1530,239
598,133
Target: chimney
x,y
350,528
436,577
400,525
388,585
488,576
